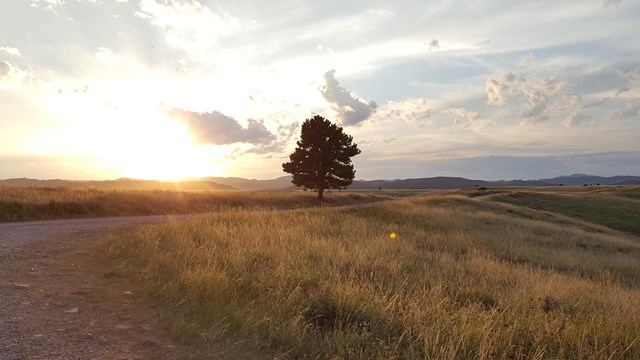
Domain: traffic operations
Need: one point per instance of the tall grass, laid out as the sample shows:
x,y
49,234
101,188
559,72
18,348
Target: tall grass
x,y
40,203
462,279
614,208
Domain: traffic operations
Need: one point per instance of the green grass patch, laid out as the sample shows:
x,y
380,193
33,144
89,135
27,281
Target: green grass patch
x,y
603,208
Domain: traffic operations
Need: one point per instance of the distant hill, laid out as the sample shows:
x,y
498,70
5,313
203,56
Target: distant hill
x,y
120,184
581,179
284,183
439,182
519,183
281,183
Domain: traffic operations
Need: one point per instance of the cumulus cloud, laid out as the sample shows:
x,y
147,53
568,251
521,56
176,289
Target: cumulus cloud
x,y
503,86
350,109
10,50
219,129
544,95
416,112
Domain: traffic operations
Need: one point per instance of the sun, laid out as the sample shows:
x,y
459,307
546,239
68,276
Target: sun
x,y
135,141
165,150
129,137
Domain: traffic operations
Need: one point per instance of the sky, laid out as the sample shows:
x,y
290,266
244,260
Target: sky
x,y
172,89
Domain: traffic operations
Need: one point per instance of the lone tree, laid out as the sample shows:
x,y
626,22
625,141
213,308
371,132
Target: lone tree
x,y
322,159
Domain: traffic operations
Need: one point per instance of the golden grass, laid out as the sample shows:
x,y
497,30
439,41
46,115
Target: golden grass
x,y
464,278
41,203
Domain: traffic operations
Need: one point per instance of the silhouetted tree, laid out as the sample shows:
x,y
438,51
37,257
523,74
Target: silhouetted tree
x,y
322,159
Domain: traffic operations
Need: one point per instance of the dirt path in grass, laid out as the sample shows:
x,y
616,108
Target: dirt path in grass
x,y
55,305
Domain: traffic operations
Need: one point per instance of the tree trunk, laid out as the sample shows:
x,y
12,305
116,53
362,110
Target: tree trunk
x,y
320,192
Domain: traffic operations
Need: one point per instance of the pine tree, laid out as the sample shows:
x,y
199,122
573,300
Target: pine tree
x,y
322,159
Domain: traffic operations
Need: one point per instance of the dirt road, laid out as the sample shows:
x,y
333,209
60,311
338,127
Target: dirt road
x,y
52,308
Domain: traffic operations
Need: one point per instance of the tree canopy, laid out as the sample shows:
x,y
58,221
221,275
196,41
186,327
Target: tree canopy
x,y
322,159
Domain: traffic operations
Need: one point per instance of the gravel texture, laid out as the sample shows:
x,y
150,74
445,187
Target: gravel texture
x,y
52,306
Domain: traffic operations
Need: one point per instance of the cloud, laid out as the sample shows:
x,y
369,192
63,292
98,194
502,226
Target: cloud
x,y
434,44
611,2
188,25
502,86
377,140
507,167
633,81
416,112
350,109
10,50
107,57
47,4
630,109
10,76
219,129
545,96
465,118
285,134
527,60
574,119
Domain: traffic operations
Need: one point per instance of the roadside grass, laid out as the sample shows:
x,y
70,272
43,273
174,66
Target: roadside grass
x,y
464,278
43,203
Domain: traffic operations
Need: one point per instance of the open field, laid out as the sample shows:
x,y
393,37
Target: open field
x,y
465,277
44,203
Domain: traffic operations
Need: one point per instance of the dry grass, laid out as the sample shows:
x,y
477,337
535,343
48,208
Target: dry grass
x,y
464,278
42,203
615,207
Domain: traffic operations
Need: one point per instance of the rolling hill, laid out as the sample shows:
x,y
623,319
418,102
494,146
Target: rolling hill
x,y
284,183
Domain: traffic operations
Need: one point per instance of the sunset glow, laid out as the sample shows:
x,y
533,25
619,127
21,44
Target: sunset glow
x,y
192,88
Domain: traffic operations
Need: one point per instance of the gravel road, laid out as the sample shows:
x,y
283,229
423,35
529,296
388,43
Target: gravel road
x,y
50,309
21,233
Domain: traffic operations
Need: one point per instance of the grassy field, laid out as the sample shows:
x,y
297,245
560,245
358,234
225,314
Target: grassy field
x,y
464,277
44,203
616,208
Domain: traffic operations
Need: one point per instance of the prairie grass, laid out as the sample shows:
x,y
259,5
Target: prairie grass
x,y
42,203
616,208
463,279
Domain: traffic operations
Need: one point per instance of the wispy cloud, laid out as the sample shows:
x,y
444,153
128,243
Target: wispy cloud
x,y
630,109
611,2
